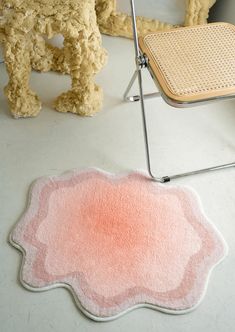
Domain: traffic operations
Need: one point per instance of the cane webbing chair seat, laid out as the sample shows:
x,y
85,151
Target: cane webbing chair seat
x,y
192,64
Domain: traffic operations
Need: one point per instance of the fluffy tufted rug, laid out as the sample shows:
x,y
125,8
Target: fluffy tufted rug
x,y
117,242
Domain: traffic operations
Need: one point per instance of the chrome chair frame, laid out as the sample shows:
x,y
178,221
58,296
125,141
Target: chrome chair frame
x,y
141,63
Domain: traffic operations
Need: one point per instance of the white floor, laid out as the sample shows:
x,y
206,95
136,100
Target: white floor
x,y
113,140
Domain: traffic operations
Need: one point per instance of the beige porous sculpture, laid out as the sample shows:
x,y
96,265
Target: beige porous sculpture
x,y
114,23
24,25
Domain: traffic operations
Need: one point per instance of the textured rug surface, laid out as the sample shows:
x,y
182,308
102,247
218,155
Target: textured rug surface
x,y
117,242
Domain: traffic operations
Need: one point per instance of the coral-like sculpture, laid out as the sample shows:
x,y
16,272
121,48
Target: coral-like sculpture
x,y
24,24
113,23
197,11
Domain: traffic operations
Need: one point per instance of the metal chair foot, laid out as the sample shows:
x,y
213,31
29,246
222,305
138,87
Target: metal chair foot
x,y
146,96
165,179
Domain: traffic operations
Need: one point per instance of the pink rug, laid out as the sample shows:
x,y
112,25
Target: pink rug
x,y
117,243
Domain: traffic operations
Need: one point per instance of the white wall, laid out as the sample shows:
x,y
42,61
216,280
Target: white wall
x,y
223,11
171,11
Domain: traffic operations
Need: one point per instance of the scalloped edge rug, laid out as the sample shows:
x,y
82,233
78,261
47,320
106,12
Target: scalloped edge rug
x,y
117,242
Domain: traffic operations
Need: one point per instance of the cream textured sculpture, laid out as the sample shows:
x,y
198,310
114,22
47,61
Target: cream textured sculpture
x,y
113,23
23,26
25,23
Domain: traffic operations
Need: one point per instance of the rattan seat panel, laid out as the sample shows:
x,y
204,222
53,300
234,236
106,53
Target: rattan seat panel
x,y
193,63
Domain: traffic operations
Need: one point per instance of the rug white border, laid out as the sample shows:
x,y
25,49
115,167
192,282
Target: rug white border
x,y
67,286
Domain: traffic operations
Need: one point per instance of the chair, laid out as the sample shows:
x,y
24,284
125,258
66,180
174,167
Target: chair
x,y
190,66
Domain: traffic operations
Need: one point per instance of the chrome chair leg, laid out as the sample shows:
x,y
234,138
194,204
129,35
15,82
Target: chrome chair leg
x,y
204,170
147,148
137,97
144,120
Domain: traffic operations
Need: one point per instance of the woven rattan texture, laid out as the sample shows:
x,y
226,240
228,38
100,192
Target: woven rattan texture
x,y
197,60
